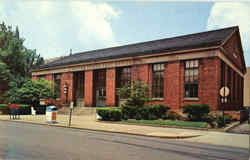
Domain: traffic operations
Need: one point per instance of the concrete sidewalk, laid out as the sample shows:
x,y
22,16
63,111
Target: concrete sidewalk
x,y
89,122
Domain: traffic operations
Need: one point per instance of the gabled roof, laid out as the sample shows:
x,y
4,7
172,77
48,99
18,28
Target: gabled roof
x,y
191,41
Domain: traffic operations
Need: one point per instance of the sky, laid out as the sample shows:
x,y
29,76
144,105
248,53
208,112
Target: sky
x,y
55,27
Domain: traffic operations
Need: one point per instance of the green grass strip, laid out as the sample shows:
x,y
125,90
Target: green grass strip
x,y
169,123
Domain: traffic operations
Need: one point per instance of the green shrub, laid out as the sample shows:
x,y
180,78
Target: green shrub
x,y
4,109
195,112
164,116
208,118
143,112
173,116
30,92
228,119
136,94
152,117
160,109
104,114
110,114
4,106
147,112
129,111
41,109
220,122
138,116
24,109
115,115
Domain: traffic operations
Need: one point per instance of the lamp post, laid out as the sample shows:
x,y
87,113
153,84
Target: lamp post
x,y
224,92
65,87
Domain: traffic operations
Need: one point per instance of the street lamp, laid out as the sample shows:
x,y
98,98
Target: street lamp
x,y
65,87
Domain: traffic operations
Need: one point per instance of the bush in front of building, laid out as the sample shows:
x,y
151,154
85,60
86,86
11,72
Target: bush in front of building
x,y
136,95
147,112
128,112
30,92
209,119
196,112
24,109
160,110
4,109
222,123
110,113
173,116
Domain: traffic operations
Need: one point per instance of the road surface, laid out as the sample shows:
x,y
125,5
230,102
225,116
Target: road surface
x,y
20,141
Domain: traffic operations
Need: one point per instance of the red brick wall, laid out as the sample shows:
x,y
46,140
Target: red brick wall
x,y
173,84
34,77
233,47
141,72
67,78
110,87
209,81
49,77
236,91
88,89
209,70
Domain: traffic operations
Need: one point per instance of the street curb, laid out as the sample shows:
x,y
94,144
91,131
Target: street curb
x,y
100,130
233,125
157,126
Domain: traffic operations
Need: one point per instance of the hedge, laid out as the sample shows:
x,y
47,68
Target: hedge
x,y
24,109
110,113
4,108
147,112
196,112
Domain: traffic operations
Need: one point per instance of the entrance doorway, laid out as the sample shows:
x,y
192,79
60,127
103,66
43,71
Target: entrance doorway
x,y
100,88
79,89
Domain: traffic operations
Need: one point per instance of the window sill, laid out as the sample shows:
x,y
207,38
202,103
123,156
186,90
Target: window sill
x,y
157,99
191,99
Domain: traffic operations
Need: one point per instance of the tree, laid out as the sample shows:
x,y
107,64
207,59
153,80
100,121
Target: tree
x,y
30,92
137,94
15,59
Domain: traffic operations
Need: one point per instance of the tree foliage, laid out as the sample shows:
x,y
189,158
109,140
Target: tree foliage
x,y
15,59
30,92
136,94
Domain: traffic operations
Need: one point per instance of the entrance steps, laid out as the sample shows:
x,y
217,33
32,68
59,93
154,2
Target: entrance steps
x,y
78,111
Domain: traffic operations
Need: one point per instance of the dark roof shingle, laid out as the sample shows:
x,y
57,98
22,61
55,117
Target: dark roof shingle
x,y
191,41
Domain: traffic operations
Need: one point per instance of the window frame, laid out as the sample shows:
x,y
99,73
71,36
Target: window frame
x,y
192,82
57,91
123,76
158,89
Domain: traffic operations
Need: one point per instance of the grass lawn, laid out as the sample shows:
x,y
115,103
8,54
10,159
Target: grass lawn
x,y
169,123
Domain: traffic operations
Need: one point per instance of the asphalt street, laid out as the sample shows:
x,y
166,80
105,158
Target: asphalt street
x,y
20,141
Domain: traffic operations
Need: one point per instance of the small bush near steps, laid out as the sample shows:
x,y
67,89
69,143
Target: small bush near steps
x,y
110,113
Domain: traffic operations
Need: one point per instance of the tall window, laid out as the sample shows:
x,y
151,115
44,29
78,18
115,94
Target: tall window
x,y
222,74
57,87
229,82
234,86
191,78
123,76
158,81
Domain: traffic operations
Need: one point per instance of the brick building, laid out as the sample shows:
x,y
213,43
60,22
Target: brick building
x,y
180,70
